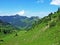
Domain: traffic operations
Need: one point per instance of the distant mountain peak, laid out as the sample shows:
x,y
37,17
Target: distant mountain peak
x,y
17,15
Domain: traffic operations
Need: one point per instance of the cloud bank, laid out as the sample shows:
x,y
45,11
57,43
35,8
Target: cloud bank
x,y
55,2
21,12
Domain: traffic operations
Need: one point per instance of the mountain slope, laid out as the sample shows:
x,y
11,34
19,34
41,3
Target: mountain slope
x,y
6,28
21,22
47,32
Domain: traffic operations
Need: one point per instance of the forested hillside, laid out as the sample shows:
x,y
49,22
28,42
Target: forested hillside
x,y
6,28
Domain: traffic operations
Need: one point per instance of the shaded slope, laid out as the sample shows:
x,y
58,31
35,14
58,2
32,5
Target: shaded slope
x,y
6,28
21,22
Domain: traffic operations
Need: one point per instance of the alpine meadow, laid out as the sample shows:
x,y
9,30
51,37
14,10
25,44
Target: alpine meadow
x,y
29,22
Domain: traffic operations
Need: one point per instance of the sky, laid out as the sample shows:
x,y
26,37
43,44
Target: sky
x,y
28,8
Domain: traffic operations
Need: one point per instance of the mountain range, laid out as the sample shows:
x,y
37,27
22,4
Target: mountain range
x,y
21,22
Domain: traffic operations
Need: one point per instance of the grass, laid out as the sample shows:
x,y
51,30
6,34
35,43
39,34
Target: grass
x,y
34,37
39,35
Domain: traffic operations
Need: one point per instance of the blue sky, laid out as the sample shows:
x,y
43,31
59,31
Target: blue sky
x,y
28,8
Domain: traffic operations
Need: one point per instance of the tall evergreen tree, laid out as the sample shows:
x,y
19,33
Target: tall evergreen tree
x,y
58,9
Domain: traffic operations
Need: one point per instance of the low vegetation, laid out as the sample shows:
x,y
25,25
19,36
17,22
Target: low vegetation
x,y
46,31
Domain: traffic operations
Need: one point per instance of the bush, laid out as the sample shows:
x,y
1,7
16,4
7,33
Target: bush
x,y
6,31
52,24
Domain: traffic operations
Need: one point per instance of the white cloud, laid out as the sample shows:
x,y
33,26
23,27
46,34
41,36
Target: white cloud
x,y
40,14
9,13
55,2
21,12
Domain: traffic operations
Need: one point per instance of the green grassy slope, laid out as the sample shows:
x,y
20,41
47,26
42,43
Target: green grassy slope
x,y
45,33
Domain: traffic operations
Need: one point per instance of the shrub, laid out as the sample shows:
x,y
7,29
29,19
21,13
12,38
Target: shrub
x,y
52,24
6,31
